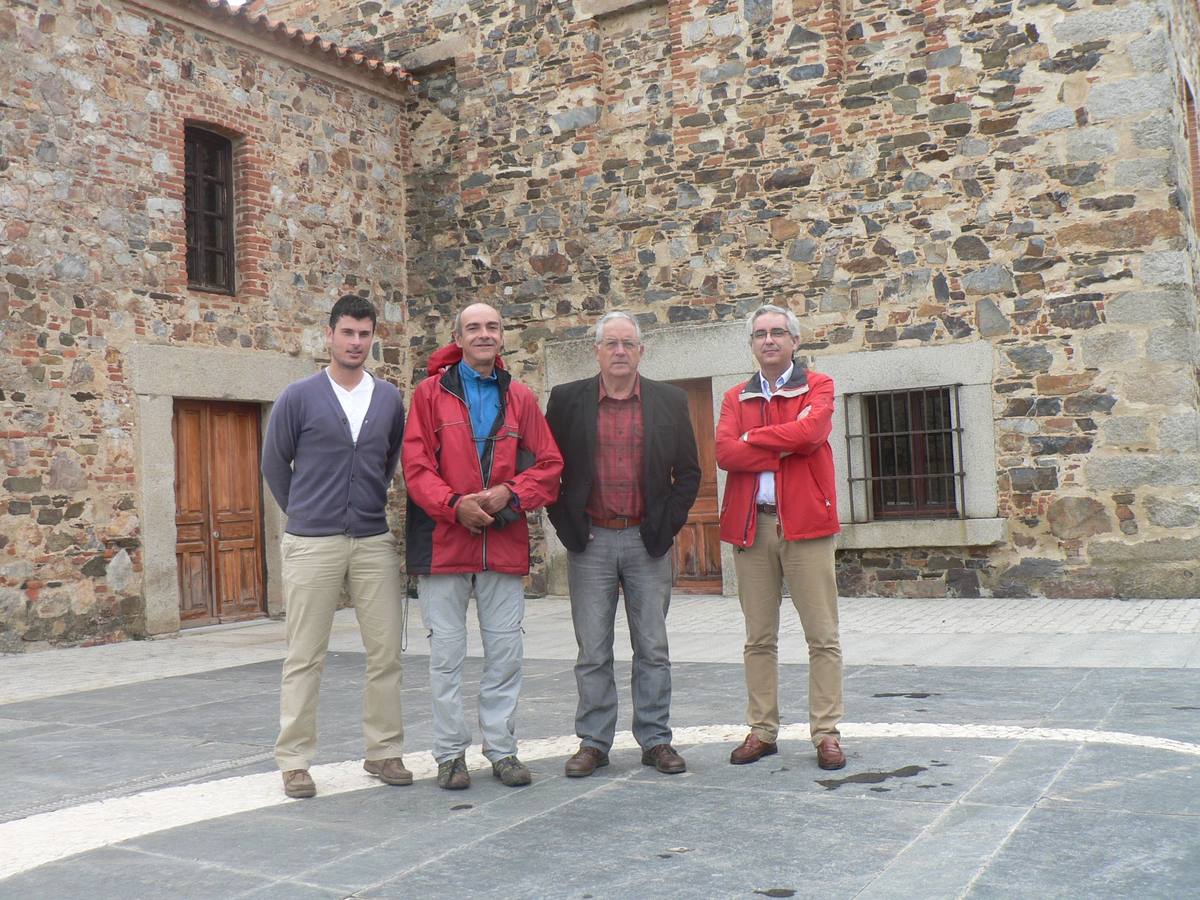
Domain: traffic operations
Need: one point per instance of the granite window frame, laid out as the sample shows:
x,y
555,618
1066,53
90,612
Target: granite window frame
x,y
968,365
1191,132
202,148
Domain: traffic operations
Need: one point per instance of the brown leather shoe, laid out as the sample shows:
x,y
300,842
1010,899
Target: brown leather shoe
x,y
829,754
752,750
586,761
389,771
664,758
297,783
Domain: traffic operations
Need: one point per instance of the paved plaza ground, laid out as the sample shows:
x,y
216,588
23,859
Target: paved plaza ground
x,y
996,748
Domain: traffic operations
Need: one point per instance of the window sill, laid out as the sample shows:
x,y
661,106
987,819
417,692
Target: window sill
x,y
209,289
922,533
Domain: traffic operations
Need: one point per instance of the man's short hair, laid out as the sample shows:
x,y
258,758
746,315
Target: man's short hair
x,y
793,323
616,314
456,326
355,307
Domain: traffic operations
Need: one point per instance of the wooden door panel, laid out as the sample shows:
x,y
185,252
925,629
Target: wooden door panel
x,y
238,588
235,500
687,562
194,591
218,511
191,505
697,557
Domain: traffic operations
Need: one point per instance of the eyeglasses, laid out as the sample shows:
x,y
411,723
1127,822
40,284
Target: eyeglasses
x,y
612,344
777,334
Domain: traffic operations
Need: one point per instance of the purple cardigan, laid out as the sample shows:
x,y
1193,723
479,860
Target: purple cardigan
x,y
325,482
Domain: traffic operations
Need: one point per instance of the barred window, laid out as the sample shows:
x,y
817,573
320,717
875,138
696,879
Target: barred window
x,y
913,445
208,206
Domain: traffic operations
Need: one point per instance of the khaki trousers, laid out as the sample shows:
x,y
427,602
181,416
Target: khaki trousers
x,y
808,568
315,569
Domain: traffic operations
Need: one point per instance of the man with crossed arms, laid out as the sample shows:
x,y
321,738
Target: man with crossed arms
x,y
780,514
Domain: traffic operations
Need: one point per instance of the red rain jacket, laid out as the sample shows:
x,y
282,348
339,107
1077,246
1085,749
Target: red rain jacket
x,y
804,481
441,464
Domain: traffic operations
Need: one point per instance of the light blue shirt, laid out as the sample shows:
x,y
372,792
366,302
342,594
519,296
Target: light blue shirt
x,y
766,480
483,402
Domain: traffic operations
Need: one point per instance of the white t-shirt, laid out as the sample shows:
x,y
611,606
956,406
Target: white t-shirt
x,y
355,402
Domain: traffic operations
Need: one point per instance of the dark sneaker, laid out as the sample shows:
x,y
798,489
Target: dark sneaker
x,y
297,783
664,758
511,771
453,775
389,771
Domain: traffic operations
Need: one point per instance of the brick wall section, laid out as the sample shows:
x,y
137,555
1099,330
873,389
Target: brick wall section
x,y
93,259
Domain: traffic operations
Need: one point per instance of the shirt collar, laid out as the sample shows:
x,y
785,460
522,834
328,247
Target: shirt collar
x,y
637,389
769,389
364,383
468,372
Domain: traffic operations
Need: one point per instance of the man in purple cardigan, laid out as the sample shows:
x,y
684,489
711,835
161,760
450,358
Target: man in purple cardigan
x,y
332,445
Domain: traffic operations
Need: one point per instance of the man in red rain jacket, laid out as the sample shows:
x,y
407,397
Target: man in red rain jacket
x,y
780,514
477,457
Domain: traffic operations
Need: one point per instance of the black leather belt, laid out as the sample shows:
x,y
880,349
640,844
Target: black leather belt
x,y
617,522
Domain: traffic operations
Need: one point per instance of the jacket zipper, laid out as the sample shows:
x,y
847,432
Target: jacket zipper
x,y
483,476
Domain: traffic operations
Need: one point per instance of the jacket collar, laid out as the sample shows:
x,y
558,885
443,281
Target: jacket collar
x,y
793,387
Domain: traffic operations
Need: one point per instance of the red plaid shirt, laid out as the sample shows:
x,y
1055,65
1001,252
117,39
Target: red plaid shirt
x,y
617,487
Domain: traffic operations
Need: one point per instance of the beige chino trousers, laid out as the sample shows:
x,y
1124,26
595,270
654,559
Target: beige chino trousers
x,y
808,569
315,569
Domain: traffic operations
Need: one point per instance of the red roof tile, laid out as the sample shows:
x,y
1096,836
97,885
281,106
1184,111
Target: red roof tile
x,y
312,43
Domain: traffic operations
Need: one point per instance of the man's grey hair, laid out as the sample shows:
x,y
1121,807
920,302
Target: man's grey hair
x,y
793,323
456,327
616,314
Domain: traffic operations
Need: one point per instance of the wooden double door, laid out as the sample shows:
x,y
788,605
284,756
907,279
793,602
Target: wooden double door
x,y
698,545
218,512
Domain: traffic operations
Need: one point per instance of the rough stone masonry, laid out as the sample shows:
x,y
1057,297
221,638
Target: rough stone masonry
x,y
901,174
930,175
94,101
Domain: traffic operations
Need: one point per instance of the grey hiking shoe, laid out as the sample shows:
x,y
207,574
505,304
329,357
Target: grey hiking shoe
x,y
511,771
453,775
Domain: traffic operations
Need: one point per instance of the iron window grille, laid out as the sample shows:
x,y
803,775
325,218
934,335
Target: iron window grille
x,y
208,208
907,445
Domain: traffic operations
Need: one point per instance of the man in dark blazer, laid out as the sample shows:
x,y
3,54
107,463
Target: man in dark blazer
x,y
630,475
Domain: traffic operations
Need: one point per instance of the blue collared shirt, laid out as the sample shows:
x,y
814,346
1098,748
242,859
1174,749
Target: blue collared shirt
x,y
766,480
483,402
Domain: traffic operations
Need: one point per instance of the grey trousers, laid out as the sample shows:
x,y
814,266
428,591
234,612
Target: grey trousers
x,y
500,605
617,558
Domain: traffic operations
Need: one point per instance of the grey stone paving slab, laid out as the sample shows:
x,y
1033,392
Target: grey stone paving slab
x,y
291,890
670,839
270,845
111,705
1124,778
120,874
1020,777
943,859
74,765
17,729
1070,854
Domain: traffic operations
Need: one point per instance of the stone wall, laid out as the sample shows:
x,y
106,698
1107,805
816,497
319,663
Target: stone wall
x,y
901,175
92,263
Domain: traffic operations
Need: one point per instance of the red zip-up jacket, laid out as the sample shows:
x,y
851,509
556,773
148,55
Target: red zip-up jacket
x,y
441,464
754,431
